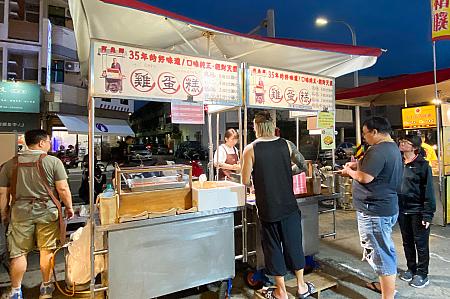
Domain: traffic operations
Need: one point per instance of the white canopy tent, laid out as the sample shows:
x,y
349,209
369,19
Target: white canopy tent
x,y
139,24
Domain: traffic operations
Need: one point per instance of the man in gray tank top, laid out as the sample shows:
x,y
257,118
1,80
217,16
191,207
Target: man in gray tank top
x,y
269,161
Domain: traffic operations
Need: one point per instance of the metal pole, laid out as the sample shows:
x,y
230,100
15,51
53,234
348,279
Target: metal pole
x,y
438,118
297,133
91,103
240,135
217,143
210,146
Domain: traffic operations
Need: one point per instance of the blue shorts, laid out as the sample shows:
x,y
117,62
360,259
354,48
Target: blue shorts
x,y
376,241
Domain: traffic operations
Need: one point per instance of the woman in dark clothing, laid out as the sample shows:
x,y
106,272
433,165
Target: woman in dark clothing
x,y
417,206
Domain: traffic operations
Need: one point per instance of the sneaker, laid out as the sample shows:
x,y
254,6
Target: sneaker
x,y
46,291
419,281
14,295
406,276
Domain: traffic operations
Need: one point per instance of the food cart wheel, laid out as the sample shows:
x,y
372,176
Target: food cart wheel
x,y
253,279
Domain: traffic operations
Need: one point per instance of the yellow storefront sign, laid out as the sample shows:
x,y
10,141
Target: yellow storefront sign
x,y
419,117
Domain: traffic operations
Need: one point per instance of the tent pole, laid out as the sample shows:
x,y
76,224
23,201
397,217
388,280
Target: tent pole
x,y
210,145
438,118
181,35
217,142
91,188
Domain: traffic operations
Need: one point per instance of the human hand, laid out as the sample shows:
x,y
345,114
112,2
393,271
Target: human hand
x,y
69,213
345,171
426,224
236,167
352,165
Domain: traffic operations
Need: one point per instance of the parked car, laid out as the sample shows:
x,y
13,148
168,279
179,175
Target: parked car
x,y
160,149
140,152
190,149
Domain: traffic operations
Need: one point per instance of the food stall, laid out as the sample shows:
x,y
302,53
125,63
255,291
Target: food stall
x,y
188,249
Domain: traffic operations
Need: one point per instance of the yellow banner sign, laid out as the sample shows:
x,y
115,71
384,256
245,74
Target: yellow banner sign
x,y
440,28
419,117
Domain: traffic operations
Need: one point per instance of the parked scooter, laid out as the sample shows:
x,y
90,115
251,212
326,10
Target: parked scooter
x,y
196,164
99,180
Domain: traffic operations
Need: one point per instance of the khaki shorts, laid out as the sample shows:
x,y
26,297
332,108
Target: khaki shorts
x,y
32,224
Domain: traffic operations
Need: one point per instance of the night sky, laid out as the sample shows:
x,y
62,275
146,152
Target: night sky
x,y
402,27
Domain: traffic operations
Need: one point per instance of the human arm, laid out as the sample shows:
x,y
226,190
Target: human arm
x,y
429,206
247,164
62,187
297,158
358,175
4,204
367,169
4,194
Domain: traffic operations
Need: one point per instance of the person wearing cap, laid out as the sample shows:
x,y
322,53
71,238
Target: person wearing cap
x,y
268,160
417,205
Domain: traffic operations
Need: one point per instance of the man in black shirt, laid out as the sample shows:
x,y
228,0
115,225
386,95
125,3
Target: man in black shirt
x,y
270,158
376,181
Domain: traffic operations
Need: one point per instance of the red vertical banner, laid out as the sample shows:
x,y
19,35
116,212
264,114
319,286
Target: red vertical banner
x,y
440,11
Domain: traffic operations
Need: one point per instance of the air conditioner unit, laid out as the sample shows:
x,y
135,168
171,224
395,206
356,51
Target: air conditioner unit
x,y
72,66
68,15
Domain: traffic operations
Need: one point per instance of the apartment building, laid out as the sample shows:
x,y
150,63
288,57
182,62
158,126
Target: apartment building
x,y
38,50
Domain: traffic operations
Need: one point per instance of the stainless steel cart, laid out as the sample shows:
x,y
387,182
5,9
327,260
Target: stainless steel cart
x,y
159,256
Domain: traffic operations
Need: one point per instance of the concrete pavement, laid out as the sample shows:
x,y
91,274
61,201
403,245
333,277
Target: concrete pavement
x,y
344,255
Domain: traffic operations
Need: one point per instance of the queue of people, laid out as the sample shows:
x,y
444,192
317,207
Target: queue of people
x,y
393,182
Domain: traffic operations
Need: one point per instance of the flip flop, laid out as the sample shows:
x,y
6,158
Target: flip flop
x,y
374,286
311,290
269,293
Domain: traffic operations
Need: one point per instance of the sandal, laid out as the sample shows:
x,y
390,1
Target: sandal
x,y
374,286
269,293
311,290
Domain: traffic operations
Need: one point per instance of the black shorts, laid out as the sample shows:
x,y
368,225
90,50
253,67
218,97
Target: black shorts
x,y
282,245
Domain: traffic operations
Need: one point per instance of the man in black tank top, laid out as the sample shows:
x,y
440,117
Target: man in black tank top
x,y
269,161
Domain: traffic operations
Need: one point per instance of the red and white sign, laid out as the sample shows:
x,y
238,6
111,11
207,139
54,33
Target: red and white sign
x,y
127,72
187,113
272,88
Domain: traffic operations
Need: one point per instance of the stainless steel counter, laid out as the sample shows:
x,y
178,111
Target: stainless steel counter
x,y
159,256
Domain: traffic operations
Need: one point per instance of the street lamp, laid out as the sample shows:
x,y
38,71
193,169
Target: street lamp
x,y
322,21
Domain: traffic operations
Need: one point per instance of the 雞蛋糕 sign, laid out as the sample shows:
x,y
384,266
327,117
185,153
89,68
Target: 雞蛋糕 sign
x,y
126,72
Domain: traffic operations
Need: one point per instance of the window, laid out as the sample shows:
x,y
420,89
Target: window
x,y
57,70
22,65
106,100
57,15
123,102
2,11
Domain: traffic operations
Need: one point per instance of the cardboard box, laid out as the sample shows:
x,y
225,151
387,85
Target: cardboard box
x,y
217,194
